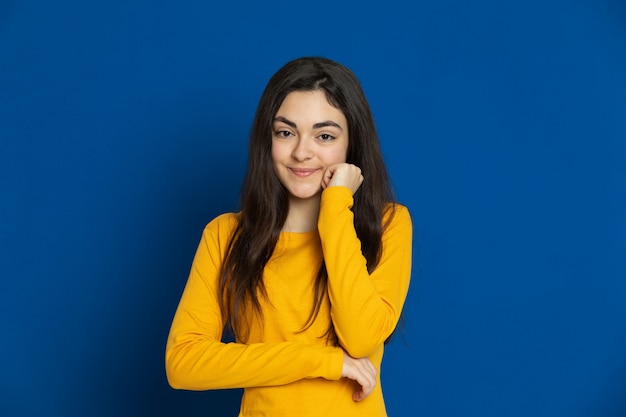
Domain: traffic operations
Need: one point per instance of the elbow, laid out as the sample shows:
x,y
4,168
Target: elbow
x,y
174,381
182,372
357,347
174,384
186,367
180,380
177,377
363,342
361,337
173,375
359,352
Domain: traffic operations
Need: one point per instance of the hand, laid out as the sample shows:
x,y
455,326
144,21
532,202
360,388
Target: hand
x,y
363,372
344,174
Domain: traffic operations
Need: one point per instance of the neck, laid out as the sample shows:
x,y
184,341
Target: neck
x,y
303,214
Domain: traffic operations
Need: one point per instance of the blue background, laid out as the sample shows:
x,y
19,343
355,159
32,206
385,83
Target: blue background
x,y
123,130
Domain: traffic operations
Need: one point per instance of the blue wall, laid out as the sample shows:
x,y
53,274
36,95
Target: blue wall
x,y
123,128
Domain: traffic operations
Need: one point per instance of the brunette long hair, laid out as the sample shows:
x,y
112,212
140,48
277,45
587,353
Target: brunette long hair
x,y
265,202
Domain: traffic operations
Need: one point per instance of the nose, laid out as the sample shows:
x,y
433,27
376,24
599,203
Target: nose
x,y
302,150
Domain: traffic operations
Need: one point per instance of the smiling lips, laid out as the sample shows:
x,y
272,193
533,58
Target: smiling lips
x,y
303,172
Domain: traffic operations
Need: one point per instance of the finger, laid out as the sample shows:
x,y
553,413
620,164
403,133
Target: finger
x,y
328,175
368,366
365,390
363,372
347,175
367,379
359,396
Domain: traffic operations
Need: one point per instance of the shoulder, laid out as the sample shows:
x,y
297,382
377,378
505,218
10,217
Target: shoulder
x,y
224,220
222,226
396,214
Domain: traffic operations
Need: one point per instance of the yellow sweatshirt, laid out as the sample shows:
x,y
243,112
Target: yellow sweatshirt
x,y
286,372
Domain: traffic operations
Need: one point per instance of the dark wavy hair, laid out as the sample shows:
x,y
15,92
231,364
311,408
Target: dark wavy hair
x,y
265,202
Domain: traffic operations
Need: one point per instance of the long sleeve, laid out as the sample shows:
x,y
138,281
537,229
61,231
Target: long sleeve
x,y
196,359
365,308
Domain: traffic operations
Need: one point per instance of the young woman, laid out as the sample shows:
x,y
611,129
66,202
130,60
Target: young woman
x,y
312,273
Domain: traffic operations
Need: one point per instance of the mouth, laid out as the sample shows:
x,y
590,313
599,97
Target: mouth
x,y
303,172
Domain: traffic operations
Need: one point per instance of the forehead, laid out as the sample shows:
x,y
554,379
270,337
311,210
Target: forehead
x,y
309,106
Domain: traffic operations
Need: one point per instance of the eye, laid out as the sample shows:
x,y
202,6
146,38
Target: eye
x,y
283,133
325,137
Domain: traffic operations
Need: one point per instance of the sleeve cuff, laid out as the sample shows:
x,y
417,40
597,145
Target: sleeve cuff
x,y
339,195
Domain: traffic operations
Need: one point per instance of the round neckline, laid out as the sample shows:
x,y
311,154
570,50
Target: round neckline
x,y
299,235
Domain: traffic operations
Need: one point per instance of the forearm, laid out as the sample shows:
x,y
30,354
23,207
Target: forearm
x,y
365,307
202,364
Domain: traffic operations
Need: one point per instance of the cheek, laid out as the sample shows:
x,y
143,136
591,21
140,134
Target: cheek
x,y
277,153
344,151
340,155
334,157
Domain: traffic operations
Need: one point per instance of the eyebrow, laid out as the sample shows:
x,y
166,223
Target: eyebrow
x,y
315,126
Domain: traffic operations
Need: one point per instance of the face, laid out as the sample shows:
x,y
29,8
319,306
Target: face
x,y
308,136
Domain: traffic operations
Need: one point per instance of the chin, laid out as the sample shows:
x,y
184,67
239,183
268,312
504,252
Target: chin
x,y
305,194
